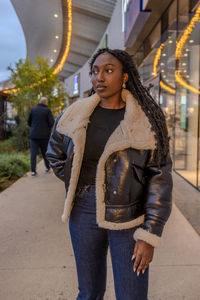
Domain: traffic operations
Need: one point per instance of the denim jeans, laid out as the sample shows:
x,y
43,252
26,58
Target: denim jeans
x,y
90,244
35,144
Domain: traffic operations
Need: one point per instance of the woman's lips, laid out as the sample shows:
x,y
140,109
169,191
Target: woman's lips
x,y
101,88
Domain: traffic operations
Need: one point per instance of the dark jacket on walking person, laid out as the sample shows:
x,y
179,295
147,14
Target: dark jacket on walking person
x,y
40,121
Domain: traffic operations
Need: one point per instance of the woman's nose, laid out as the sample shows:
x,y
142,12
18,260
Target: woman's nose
x,y
100,76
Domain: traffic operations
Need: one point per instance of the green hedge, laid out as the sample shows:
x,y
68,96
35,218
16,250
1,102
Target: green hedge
x,y
7,145
12,167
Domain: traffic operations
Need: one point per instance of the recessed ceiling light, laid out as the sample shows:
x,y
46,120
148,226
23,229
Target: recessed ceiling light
x,y
57,36
56,15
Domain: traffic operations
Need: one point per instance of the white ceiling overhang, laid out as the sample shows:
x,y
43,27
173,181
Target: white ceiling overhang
x,y
89,21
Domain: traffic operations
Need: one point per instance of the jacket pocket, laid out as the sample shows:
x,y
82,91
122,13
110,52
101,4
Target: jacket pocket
x,y
123,213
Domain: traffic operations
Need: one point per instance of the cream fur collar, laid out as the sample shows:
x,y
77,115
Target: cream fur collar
x,y
135,127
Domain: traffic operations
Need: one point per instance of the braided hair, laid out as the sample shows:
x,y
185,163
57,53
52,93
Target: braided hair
x,y
151,109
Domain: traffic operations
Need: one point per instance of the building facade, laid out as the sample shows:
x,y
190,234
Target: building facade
x,y
169,64
164,41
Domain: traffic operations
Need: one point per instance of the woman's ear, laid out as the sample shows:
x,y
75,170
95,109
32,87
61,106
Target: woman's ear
x,y
125,77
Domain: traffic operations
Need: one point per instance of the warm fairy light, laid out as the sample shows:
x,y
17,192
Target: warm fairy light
x,y
157,58
179,48
69,34
170,42
184,64
56,16
180,80
167,88
51,60
57,37
10,91
164,54
54,50
180,44
155,63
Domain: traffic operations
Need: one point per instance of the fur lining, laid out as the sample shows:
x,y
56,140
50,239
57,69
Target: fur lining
x,y
118,226
133,132
150,238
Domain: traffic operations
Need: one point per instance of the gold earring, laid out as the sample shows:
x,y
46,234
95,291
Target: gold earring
x,y
124,85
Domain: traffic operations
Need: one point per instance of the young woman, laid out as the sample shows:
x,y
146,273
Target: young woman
x,y
112,151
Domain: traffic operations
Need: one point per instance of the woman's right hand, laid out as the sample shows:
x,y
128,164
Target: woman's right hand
x,y
143,255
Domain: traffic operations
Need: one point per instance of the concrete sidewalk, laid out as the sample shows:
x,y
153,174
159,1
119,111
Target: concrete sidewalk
x,y
36,258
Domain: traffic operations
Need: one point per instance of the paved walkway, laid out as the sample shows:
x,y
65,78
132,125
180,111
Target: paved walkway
x,y
36,259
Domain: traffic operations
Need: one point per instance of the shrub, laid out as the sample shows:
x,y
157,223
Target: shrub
x,y
21,137
7,146
12,167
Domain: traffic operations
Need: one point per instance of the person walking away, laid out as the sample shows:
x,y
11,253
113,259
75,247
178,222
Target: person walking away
x,y
40,121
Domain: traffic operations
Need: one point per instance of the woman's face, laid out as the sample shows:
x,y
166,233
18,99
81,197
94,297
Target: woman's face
x,y
107,75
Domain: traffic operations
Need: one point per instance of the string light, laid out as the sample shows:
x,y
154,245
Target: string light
x,y
155,64
180,44
179,48
167,88
69,34
157,58
180,80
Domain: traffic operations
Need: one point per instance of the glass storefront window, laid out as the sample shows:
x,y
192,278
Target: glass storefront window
x,y
187,103
176,84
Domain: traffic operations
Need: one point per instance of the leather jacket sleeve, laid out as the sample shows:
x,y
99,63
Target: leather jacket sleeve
x,y
158,202
55,152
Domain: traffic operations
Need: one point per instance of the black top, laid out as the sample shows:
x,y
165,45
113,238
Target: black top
x,y
40,120
103,122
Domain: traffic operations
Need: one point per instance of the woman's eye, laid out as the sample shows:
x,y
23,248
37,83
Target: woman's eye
x,y
94,72
109,70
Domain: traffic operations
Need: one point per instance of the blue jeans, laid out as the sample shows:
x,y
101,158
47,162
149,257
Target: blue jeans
x,y
35,145
90,244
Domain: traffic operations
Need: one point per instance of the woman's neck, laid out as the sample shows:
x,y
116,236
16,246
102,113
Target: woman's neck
x,y
112,103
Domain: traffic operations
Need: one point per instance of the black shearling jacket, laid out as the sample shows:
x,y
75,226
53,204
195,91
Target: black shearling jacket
x,y
130,190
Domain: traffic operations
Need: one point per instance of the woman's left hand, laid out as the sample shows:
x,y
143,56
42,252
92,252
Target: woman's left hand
x,y
143,255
